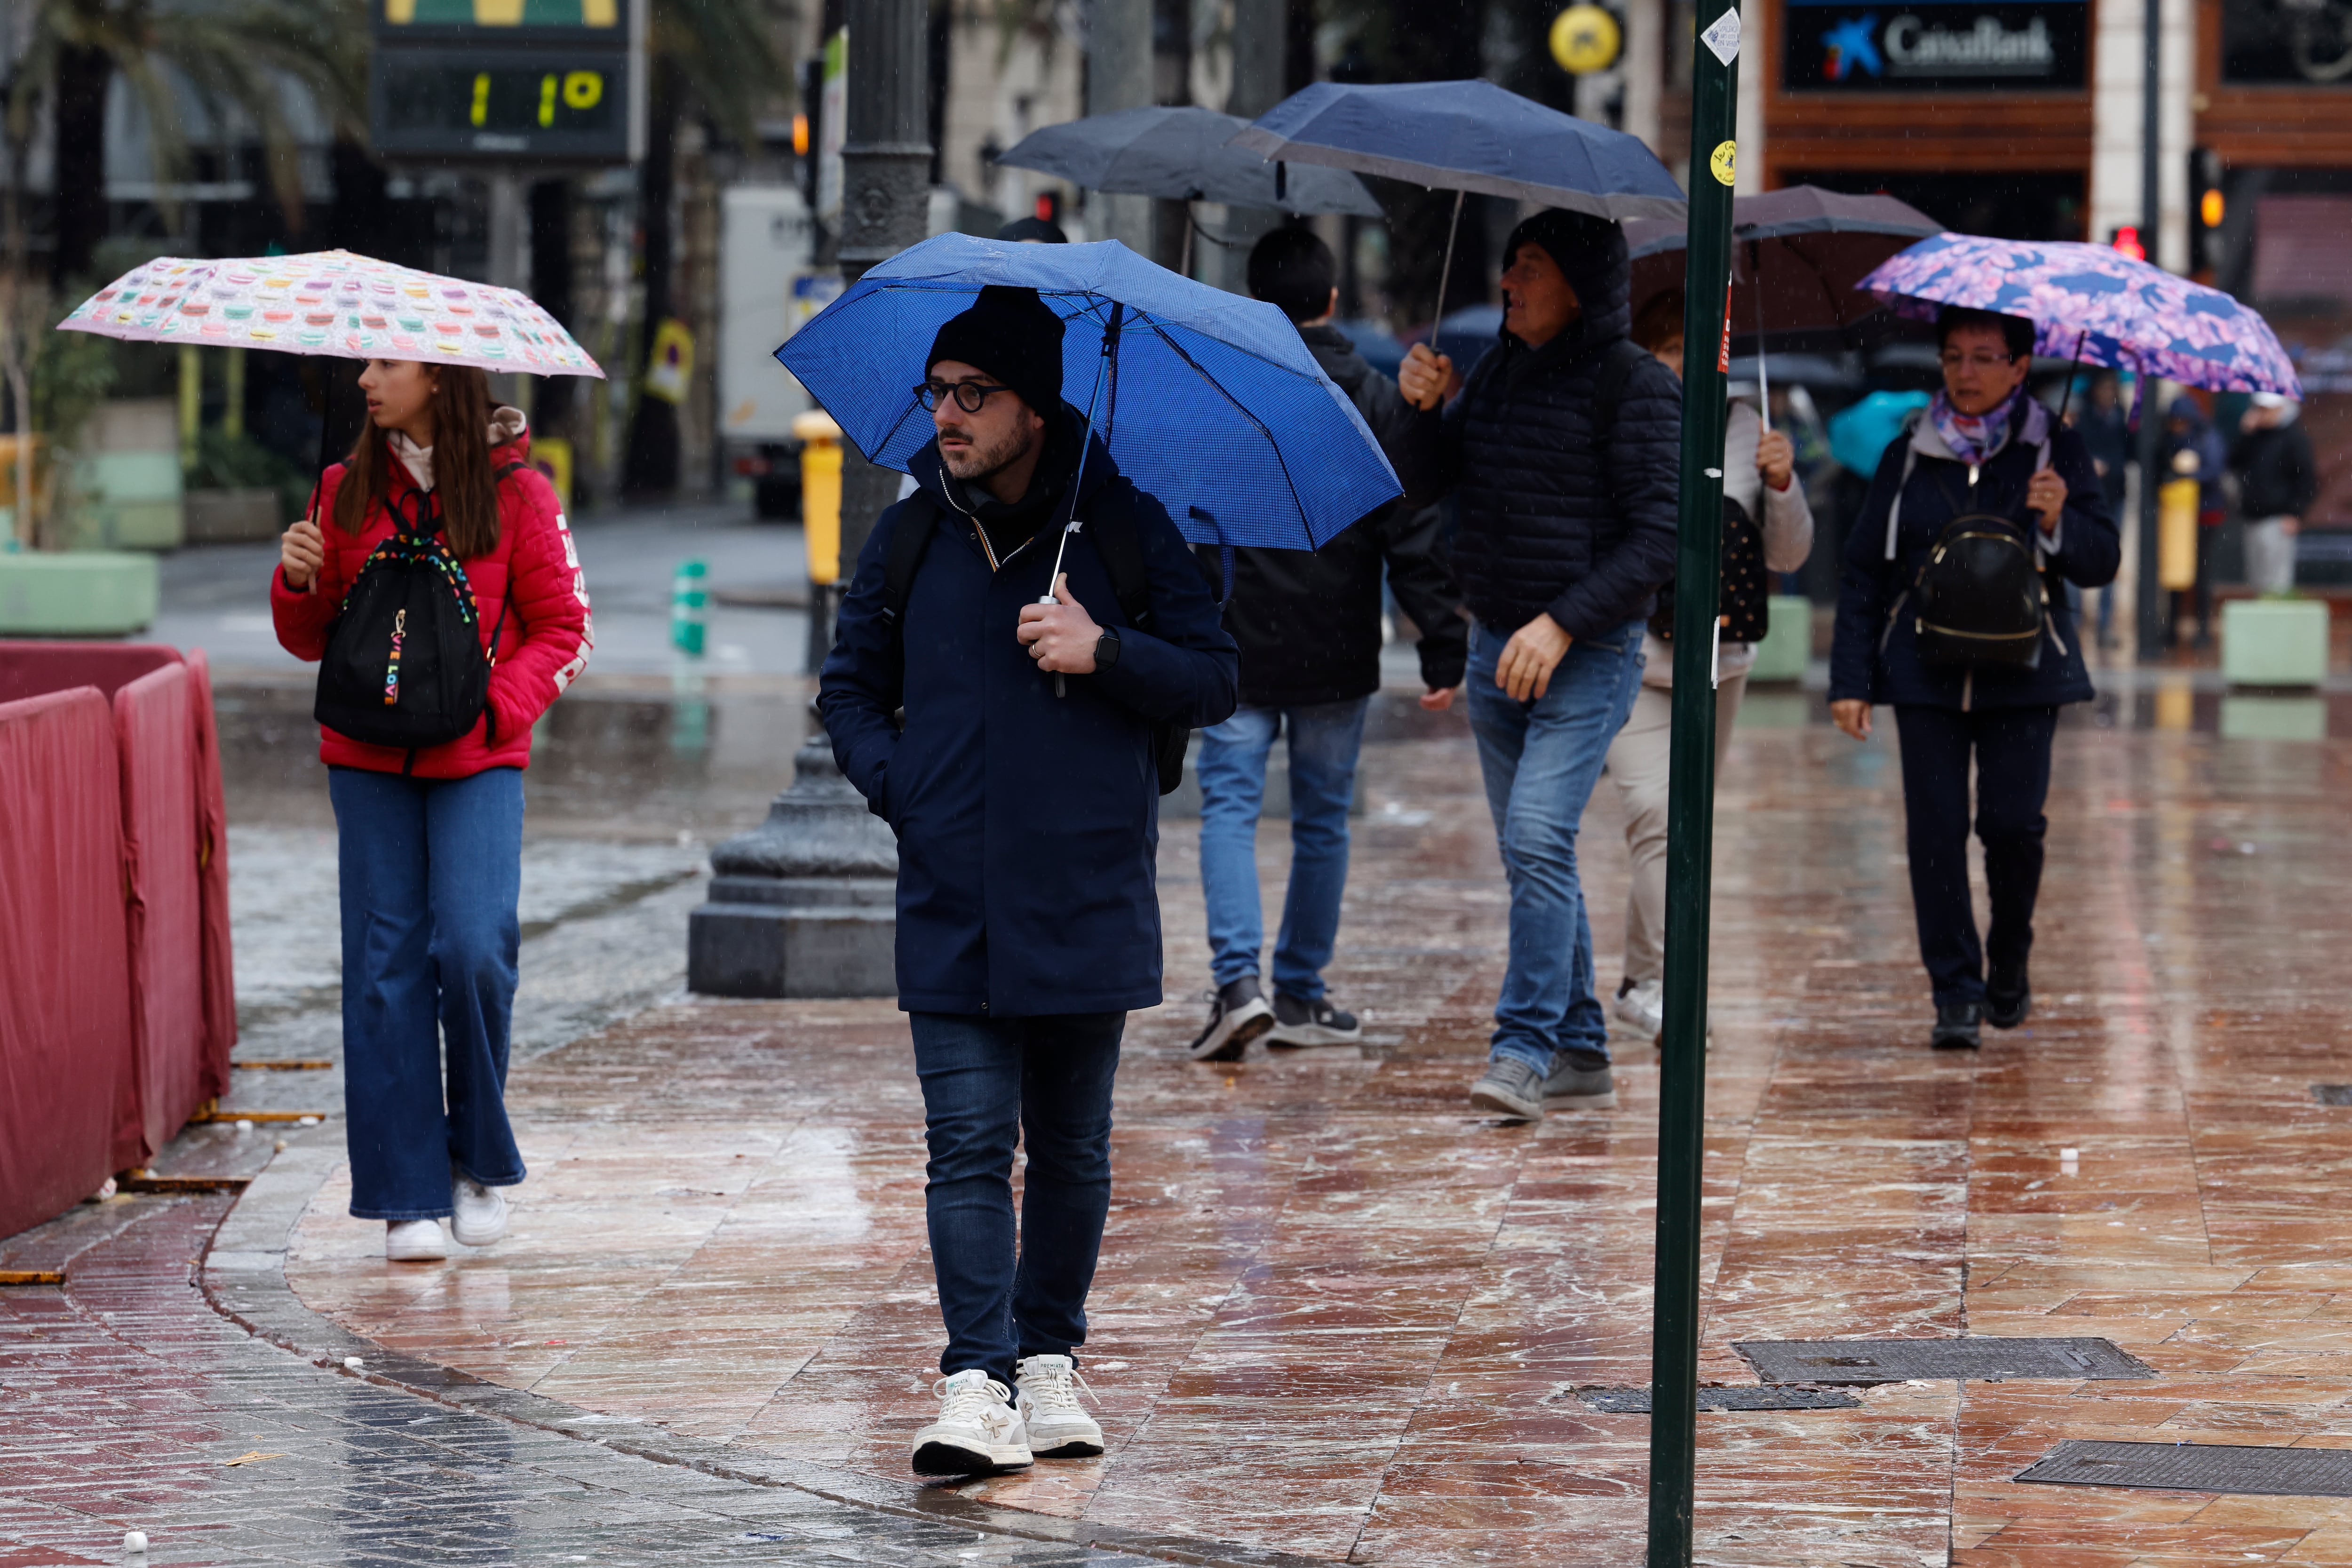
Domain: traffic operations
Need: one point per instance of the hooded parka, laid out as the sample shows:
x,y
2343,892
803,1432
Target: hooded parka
x,y
1562,511
1028,823
1874,657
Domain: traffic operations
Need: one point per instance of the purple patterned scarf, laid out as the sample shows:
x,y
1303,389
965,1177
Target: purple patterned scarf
x,y
1973,437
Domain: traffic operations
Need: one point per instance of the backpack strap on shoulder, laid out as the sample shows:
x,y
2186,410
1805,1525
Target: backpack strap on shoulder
x,y
910,537
1895,508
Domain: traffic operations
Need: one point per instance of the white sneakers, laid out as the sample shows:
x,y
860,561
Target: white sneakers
x,y
414,1241
480,1220
1642,1007
978,1433
985,1428
1048,1403
481,1211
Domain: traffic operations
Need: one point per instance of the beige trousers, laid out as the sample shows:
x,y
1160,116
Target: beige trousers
x,y
1637,761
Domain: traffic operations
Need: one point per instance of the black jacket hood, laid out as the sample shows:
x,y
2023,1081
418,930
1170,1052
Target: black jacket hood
x,y
1591,253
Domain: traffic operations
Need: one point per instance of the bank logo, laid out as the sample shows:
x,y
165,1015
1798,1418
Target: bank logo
x,y
1850,47
1912,45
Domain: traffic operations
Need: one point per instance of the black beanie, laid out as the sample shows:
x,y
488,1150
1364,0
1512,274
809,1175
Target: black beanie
x,y
1012,336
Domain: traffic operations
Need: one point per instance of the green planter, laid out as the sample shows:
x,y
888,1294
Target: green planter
x,y
2275,642
80,593
124,501
1788,648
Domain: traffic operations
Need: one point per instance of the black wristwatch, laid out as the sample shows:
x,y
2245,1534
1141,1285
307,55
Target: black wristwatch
x,y
1106,651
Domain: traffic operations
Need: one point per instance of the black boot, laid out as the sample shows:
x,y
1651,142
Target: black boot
x,y
2008,995
1955,1026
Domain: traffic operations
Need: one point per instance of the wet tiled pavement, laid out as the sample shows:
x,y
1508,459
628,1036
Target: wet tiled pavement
x,y
1339,1316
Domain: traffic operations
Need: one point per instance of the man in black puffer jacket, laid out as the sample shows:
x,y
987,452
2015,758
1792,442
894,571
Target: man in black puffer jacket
x,y
1561,451
1308,623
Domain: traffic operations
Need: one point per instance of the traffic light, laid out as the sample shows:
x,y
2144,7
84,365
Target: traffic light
x,y
2126,240
2206,209
1049,205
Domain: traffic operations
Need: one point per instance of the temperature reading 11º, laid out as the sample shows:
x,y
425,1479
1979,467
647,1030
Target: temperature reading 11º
x,y
579,91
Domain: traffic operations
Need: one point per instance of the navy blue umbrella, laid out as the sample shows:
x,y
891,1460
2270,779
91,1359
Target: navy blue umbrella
x,y
1207,401
1467,136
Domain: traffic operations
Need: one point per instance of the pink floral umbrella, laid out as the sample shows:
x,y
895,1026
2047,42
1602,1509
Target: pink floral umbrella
x,y
2094,305
335,303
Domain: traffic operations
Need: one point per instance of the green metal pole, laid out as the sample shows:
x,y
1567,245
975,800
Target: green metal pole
x,y
1690,798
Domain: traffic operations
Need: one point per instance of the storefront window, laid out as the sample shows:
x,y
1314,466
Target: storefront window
x,y
2295,42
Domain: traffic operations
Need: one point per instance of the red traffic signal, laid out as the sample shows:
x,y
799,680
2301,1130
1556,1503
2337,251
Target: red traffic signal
x,y
2126,240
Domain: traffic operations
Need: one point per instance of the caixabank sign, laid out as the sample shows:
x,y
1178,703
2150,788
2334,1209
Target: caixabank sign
x,y
1838,47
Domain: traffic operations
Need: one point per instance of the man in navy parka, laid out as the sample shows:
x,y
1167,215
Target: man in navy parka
x,y
1024,792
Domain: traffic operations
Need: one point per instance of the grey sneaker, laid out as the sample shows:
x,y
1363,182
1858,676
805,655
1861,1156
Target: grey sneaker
x,y
1577,1075
1315,1023
1510,1088
1237,1015
1045,1394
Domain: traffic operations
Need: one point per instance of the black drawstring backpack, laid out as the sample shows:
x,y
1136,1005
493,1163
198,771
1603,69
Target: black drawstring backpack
x,y
404,664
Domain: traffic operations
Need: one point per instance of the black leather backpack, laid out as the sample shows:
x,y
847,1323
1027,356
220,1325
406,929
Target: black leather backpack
x,y
404,664
1980,598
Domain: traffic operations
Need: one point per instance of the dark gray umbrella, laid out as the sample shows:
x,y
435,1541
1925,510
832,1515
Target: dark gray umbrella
x,y
1798,254
1180,154
1468,136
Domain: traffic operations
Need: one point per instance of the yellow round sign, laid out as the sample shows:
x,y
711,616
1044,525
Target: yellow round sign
x,y
1724,162
1585,39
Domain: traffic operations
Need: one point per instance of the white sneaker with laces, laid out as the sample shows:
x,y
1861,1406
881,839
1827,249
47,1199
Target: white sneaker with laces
x,y
1058,1427
414,1241
481,1211
978,1433
1642,1007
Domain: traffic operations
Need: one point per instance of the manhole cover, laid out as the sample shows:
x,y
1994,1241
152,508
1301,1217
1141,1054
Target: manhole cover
x,y
1982,1359
2197,1467
2332,1093
1636,1401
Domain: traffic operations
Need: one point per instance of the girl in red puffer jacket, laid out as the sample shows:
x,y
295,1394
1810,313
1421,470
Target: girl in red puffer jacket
x,y
431,842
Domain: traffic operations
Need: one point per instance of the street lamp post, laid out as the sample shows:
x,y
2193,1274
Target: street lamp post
x,y
2149,591
886,188
1690,796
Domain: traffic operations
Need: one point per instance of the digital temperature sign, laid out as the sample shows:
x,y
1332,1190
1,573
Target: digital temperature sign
x,y
510,80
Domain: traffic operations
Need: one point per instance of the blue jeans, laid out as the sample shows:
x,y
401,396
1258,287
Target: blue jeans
x,y
988,1082
431,870
1323,740
1540,759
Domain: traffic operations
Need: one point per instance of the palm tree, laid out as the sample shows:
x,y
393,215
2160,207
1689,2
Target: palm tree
x,y
232,60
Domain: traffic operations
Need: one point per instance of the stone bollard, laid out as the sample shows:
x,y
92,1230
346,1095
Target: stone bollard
x,y
806,903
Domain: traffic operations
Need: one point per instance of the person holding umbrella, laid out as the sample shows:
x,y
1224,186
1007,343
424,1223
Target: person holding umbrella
x,y
1308,624
1985,459
430,838
988,606
1562,451
1768,528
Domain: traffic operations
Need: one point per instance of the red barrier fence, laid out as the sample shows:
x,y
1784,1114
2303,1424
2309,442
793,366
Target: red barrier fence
x,y
108,1039
65,1004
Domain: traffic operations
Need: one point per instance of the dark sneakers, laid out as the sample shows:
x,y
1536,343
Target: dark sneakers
x,y
1237,1015
1955,1026
2008,997
1315,1023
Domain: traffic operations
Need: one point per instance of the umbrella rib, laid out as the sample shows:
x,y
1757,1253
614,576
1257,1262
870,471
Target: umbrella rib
x,y
1272,445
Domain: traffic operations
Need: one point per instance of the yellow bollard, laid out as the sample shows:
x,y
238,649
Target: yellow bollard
x,y
2176,534
821,494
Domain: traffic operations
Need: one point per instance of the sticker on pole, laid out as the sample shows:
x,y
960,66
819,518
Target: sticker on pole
x,y
1722,38
1724,162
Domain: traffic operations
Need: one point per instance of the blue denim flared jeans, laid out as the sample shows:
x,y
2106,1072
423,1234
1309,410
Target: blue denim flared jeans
x,y
431,870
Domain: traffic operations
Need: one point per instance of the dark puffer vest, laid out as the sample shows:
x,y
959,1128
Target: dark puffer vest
x,y
1554,516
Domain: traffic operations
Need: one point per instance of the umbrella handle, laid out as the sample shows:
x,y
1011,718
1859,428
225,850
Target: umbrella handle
x,y
1445,273
1763,377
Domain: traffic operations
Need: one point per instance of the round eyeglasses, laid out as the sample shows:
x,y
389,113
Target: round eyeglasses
x,y
968,394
